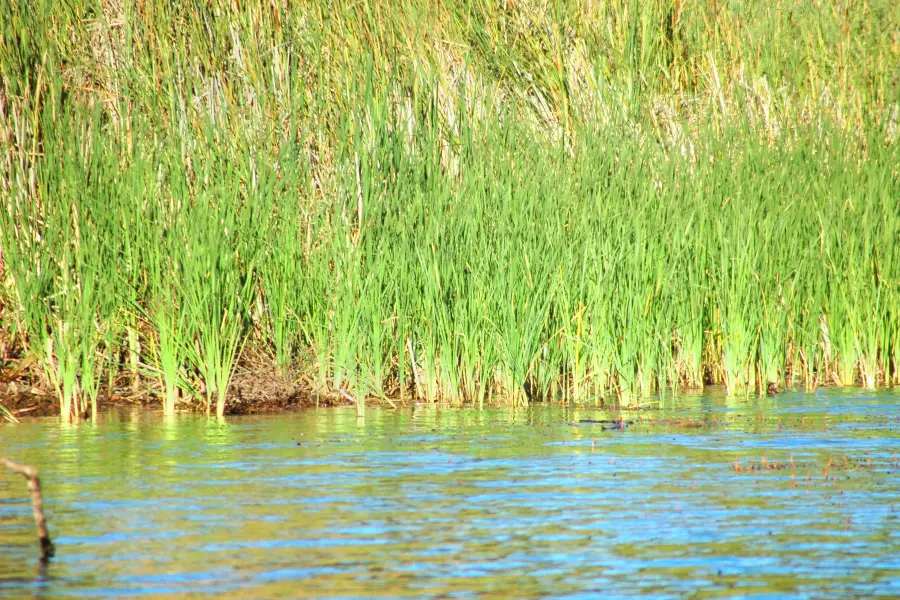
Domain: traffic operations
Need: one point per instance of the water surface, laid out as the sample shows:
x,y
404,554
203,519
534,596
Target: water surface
x,y
696,497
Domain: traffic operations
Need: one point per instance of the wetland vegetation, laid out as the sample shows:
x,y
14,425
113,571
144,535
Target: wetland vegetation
x,y
457,201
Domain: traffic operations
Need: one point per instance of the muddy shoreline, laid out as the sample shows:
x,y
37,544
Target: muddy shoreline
x,y
251,393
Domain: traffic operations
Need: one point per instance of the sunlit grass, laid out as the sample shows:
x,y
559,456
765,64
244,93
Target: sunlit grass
x,y
579,213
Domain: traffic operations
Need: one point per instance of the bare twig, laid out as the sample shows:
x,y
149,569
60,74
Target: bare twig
x,y
412,359
20,368
37,504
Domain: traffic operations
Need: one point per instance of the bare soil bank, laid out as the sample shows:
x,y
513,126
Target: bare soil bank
x,y
249,393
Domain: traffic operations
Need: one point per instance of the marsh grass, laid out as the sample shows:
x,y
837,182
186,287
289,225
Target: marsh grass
x,y
530,202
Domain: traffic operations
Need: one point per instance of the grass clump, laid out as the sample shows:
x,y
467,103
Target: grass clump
x,y
452,201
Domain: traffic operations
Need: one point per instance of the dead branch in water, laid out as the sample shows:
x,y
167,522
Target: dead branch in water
x,y
37,504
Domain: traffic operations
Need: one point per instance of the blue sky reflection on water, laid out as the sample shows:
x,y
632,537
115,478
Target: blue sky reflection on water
x,y
701,496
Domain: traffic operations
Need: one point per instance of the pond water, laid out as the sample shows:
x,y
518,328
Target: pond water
x,y
698,496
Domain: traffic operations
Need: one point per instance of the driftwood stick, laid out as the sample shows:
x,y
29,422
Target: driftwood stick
x,y
37,504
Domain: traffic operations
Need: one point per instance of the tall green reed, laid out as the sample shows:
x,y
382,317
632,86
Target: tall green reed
x,y
553,204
